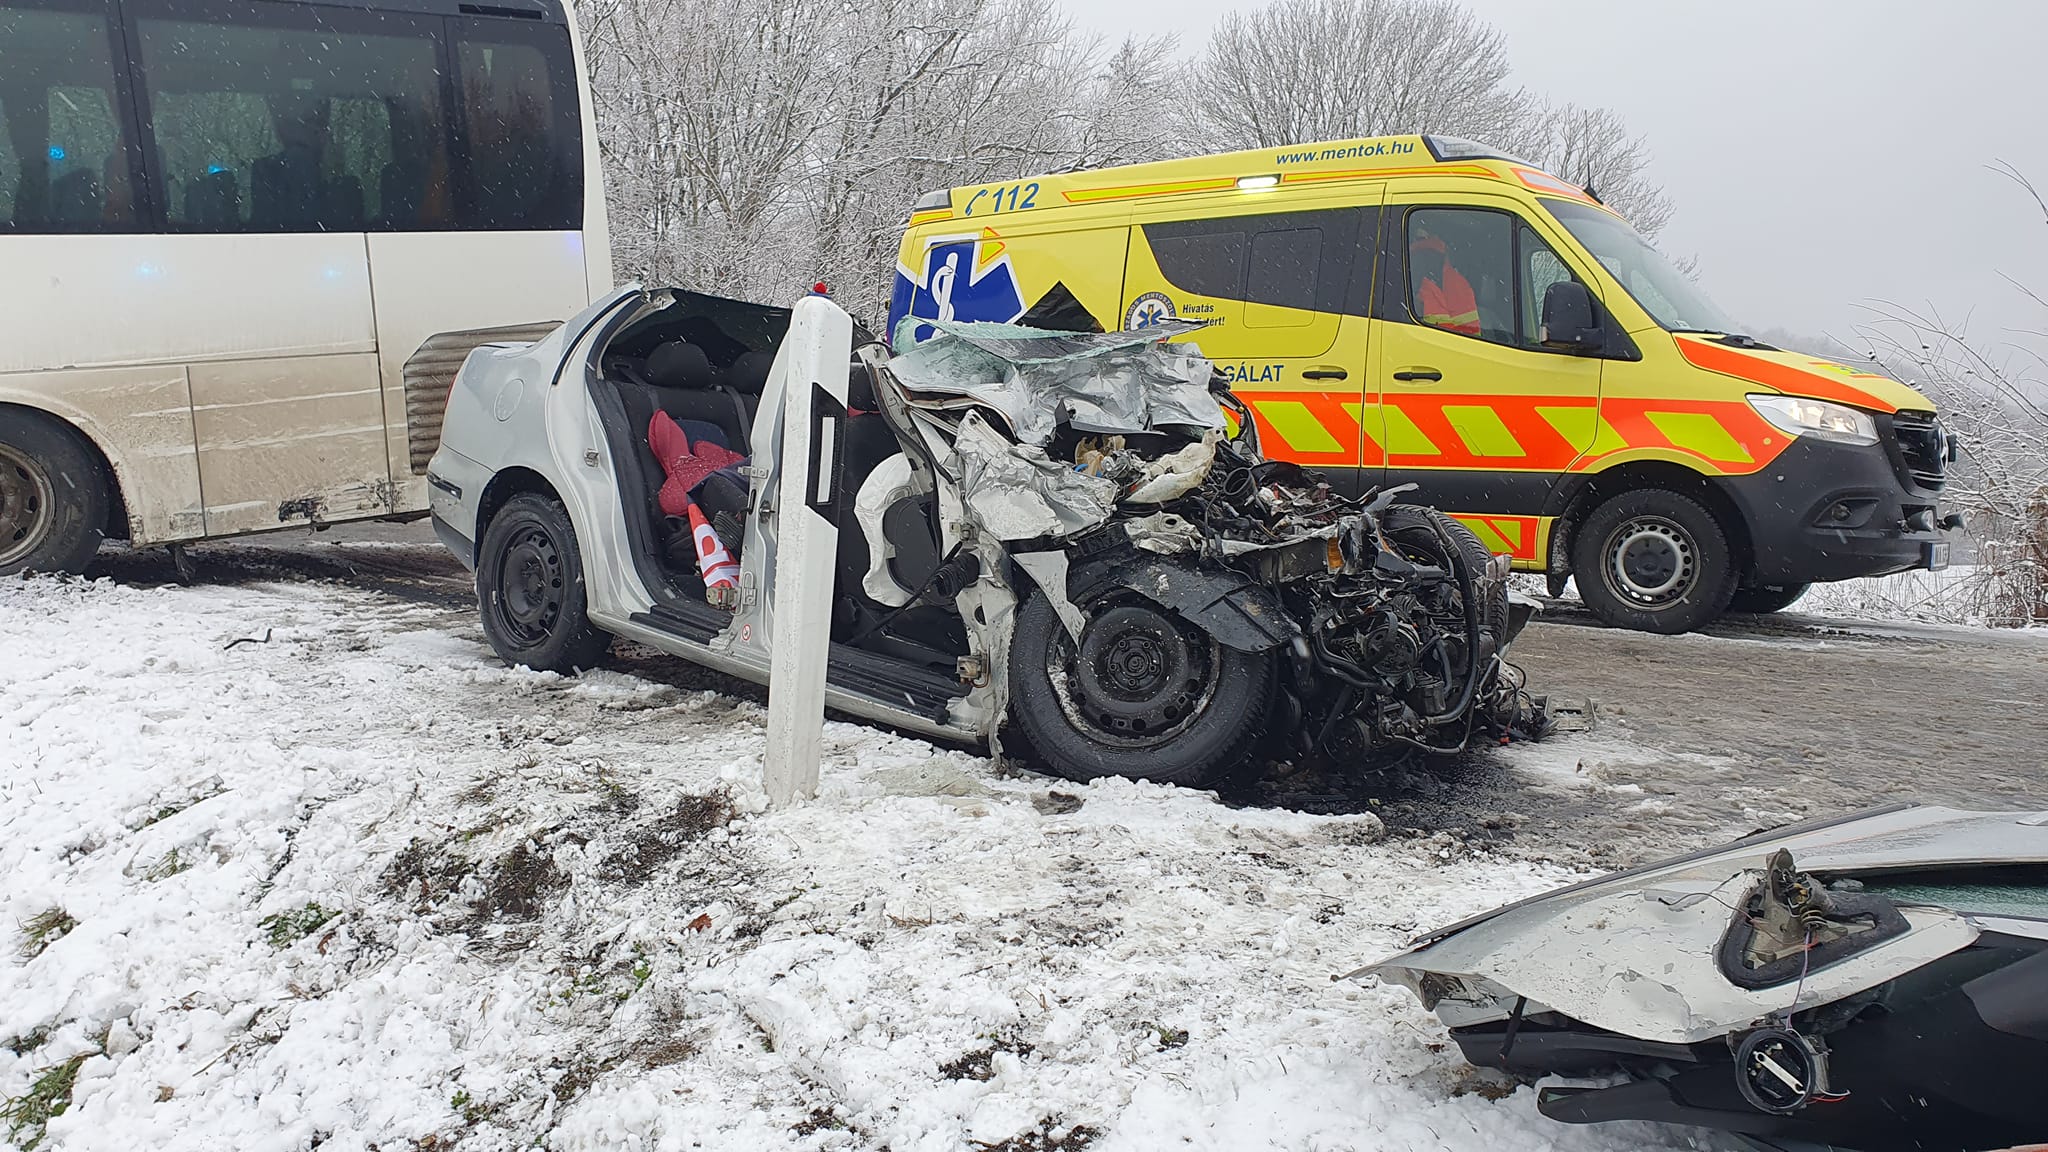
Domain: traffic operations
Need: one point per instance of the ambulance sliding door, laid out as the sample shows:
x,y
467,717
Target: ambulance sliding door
x,y
1283,282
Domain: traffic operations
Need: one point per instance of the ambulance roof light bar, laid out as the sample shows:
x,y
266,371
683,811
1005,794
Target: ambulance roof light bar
x,y
1458,148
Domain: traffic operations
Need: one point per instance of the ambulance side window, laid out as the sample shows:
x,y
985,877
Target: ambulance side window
x,y
1540,268
1202,257
1285,259
1461,272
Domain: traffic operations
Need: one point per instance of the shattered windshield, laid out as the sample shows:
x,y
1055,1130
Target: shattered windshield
x,y
1671,297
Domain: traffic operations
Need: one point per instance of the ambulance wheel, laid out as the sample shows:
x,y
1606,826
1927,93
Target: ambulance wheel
x,y
1654,561
1764,599
1145,694
53,496
530,590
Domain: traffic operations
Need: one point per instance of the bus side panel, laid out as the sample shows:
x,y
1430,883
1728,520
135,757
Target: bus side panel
x,y
429,282
75,301
292,440
141,419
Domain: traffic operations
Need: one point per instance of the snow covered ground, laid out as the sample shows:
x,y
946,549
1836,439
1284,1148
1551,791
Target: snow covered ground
x,y
354,884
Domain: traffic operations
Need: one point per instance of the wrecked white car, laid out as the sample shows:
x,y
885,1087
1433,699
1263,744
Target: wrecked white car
x,y
1874,982
1047,541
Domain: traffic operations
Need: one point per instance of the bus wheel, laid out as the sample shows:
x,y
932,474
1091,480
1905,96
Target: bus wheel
x,y
1654,561
529,587
53,497
1767,598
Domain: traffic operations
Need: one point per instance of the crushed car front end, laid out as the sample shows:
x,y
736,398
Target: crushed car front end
x,y
1180,597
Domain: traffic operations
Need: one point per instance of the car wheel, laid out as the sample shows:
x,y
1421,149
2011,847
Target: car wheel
x,y
1654,561
530,589
1420,533
1764,599
53,497
1145,694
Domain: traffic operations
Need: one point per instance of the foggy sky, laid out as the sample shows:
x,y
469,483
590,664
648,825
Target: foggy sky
x,y
1820,154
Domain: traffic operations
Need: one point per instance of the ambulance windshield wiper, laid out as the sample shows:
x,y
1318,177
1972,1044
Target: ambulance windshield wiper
x,y
1732,339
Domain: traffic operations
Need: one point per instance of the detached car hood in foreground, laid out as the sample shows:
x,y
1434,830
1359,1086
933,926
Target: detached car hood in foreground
x,y
1878,981
1635,952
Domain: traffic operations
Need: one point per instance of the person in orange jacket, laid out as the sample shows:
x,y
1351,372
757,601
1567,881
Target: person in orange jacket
x,y
1446,297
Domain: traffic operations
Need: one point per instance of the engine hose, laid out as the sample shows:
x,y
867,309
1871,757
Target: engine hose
x,y
1467,592
1336,665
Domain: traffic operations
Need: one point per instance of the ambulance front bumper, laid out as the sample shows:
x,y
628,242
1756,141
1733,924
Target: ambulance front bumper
x,y
1827,511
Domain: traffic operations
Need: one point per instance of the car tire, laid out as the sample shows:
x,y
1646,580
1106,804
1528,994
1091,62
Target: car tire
x,y
1416,530
1764,599
530,589
1654,561
1145,695
53,496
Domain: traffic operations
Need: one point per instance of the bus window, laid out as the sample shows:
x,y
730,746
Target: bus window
x,y
520,132
63,161
289,119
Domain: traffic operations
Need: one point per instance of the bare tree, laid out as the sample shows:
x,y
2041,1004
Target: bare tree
x,y
1592,148
1996,402
1302,70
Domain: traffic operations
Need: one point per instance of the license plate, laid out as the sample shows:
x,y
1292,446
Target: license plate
x,y
1936,555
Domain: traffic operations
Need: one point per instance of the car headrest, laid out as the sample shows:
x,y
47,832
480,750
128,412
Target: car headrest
x,y
679,364
749,372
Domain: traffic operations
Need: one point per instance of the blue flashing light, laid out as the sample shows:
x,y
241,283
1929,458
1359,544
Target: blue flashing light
x,y
57,152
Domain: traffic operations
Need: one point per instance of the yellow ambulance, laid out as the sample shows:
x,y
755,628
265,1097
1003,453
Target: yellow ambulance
x,y
1426,310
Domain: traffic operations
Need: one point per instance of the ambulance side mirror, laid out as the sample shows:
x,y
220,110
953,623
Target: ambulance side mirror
x,y
1570,323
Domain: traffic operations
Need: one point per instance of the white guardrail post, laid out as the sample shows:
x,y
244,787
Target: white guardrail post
x,y
812,389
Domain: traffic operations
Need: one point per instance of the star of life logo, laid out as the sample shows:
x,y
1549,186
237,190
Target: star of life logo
x,y
964,278
1148,310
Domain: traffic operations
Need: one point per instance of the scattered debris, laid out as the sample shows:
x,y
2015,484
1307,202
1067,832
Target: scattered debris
x,y
247,640
1056,803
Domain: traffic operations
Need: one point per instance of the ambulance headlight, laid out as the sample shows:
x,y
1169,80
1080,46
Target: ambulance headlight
x,y
1805,416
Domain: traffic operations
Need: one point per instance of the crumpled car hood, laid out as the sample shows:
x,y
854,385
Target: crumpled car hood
x,y
1100,382
1634,952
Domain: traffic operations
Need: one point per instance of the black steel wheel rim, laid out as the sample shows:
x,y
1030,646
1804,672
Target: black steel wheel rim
x,y
531,585
1140,675
1652,563
27,504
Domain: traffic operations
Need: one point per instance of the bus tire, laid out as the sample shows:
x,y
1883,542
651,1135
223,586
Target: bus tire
x,y
530,589
1655,561
1145,695
1764,599
53,496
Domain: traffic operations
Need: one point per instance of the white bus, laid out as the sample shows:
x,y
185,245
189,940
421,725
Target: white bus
x,y
244,245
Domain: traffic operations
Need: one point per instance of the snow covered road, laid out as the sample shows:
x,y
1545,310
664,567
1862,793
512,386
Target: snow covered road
x,y
359,886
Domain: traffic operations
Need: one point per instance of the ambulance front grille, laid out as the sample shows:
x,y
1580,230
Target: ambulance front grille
x,y
1922,448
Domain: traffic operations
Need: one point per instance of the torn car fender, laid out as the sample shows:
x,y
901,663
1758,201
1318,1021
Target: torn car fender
x,y
1238,612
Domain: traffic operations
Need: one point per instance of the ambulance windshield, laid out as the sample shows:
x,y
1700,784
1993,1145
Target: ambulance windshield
x,y
1671,298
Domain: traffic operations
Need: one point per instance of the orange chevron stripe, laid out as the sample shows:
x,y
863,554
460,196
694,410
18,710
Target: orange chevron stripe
x,y
1627,420
1771,374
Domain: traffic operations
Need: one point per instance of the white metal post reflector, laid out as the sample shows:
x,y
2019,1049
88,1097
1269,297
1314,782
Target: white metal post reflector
x,y
812,389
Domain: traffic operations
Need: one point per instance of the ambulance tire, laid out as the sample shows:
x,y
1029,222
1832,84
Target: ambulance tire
x,y
1654,561
1763,599
1145,695
53,496
530,589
